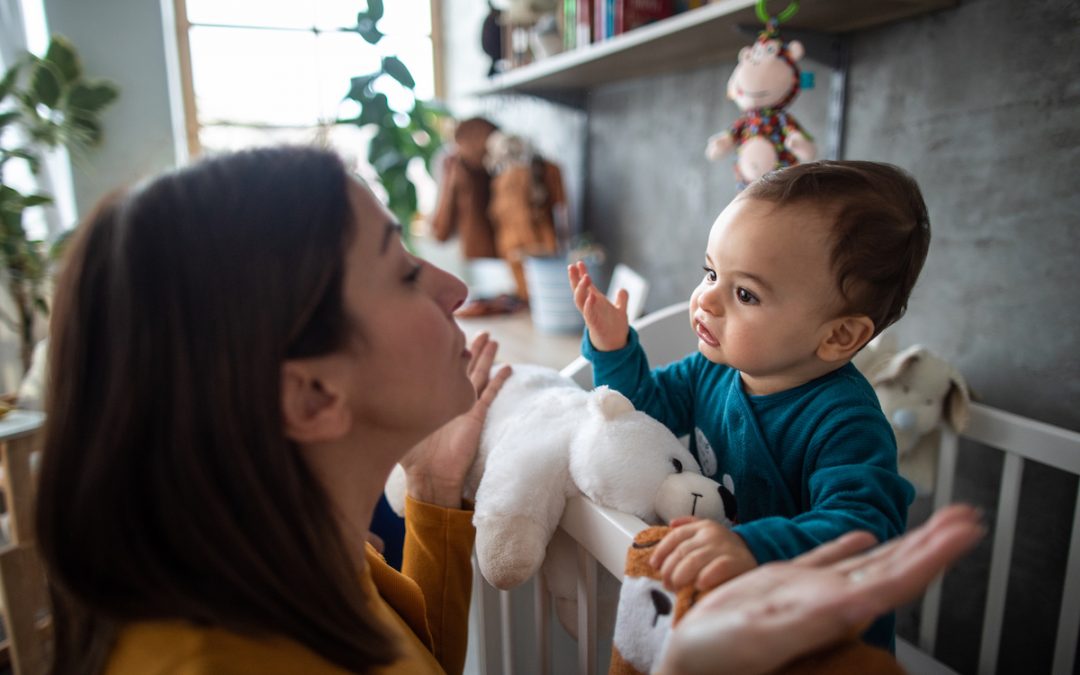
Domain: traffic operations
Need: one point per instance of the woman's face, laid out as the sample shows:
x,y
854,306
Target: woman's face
x,y
407,354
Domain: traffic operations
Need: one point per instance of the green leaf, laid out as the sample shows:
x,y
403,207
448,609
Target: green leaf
x,y
44,84
62,55
393,67
375,111
92,96
369,32
36,200
374,9
359,87
87,127
8,81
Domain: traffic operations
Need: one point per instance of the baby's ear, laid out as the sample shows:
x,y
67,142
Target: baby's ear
x,y
844,337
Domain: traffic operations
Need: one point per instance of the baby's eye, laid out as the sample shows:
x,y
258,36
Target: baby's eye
x,y
677,464
746,297
710,274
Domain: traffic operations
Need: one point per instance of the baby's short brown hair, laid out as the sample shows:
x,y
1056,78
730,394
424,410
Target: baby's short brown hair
x,y
880,233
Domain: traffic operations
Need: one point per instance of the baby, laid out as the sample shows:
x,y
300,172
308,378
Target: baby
x,y
802,269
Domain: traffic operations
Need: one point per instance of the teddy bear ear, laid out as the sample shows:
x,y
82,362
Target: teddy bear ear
x,y
610,403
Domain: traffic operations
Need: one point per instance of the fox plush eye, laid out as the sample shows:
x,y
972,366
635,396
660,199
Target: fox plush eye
x,y
677,464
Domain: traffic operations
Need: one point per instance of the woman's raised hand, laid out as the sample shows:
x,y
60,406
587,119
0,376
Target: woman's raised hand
x,y
767,617
607,322
436,468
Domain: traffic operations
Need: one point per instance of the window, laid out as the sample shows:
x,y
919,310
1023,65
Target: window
x,y
260,72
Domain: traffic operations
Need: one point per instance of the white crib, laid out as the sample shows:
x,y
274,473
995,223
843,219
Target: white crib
x,y
513,632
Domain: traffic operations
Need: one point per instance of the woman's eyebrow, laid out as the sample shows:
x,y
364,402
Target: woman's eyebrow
x,y
392,227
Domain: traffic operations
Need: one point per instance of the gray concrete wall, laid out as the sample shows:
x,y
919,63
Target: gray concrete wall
x,y
982,104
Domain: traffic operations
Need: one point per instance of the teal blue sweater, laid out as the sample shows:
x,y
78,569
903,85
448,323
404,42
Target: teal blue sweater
x,y
808,464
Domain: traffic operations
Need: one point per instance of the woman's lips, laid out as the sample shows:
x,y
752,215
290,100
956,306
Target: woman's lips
x,y
705,335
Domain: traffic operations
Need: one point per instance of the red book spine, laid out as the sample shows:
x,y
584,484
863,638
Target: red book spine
x,y
640,12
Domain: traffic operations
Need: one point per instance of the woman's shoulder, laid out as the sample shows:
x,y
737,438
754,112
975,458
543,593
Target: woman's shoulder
x,y
173,647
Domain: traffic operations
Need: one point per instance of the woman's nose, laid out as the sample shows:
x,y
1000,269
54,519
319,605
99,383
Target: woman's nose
x,y
451,291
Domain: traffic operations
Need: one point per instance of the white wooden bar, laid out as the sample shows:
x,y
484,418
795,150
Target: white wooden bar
x,y
948,452
1000,560
586,607
506,614
1069,619
542,608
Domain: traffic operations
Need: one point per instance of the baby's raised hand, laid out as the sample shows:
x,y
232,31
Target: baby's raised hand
x,y
700,552
607,322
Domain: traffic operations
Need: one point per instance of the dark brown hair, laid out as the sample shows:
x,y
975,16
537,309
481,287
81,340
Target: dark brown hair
x,y
168,488
880,233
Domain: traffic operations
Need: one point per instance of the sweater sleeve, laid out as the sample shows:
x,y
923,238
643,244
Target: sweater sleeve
x,y
438,548
852,483
666,394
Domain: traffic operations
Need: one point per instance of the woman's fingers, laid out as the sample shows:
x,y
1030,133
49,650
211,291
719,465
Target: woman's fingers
x,y
493,386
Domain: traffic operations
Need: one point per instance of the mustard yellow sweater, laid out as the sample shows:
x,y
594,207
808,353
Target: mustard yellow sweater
x,y
428,602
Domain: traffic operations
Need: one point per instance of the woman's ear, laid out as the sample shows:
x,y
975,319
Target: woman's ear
x,y
313,409
844,337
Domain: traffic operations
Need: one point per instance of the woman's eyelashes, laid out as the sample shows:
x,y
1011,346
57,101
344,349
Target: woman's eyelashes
x,y
414,272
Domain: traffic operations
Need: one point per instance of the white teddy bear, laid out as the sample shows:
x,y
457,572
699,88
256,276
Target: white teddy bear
x,y
546,439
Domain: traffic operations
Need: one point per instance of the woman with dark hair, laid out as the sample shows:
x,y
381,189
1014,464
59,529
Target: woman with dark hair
x,y
240,353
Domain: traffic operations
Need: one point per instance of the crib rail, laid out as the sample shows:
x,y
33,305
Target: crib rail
x,y
1021,439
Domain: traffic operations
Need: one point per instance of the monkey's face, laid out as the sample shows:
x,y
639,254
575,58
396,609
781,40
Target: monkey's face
x,y
762,77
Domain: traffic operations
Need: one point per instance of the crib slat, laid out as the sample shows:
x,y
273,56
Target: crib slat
x,y
1069,619
586,598
506,616
542,605
997,587
948,451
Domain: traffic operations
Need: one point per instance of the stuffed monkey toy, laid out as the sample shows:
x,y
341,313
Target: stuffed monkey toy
x,y
647,612
765,81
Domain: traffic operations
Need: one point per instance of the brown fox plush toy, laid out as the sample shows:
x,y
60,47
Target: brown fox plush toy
x,y
647,611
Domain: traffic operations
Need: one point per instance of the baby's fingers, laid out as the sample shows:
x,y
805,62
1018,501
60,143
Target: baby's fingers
x,y
669,543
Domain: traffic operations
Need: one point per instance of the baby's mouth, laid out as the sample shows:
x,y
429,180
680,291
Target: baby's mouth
x,y
704,334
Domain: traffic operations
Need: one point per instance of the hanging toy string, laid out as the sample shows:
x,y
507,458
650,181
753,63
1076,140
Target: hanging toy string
x,y
772,23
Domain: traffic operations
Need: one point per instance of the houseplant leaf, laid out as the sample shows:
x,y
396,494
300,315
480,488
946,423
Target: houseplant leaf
x,y
91,96
62,55
44,84
393,67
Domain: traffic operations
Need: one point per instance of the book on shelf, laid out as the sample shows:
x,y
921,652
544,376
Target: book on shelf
x,y
568,24
631,14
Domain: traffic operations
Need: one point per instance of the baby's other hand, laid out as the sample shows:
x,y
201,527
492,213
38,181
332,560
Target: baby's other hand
x,y
608,324
700,552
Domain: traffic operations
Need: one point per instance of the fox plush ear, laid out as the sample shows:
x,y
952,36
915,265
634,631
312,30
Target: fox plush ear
x,y
611,403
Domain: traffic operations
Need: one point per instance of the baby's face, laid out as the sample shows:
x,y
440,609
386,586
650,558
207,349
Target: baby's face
x,y
767,294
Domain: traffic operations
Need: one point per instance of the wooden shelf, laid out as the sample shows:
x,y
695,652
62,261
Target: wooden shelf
x,y
690,39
